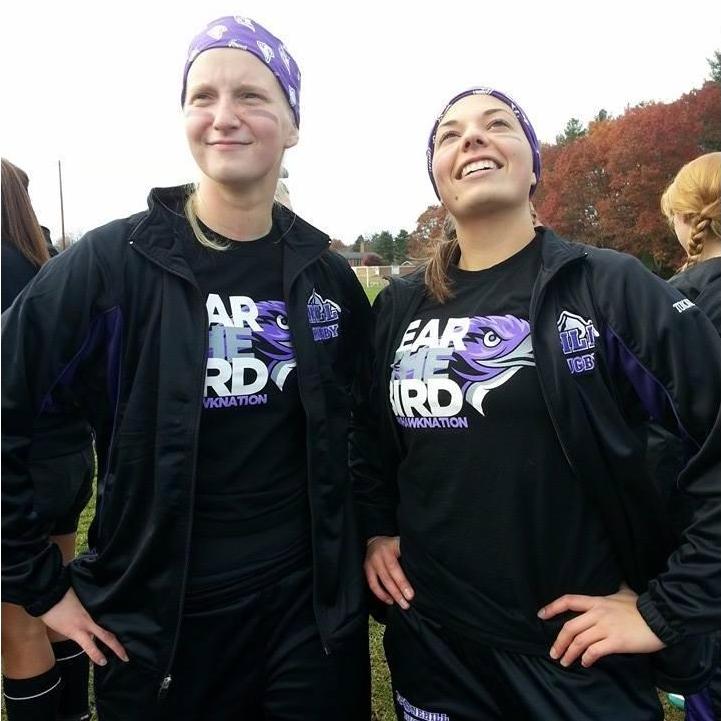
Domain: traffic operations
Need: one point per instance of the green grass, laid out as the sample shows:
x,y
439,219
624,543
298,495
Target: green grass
x,y
380,677
373,291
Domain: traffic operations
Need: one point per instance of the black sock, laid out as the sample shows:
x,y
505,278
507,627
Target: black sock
x,y
33,699
74,669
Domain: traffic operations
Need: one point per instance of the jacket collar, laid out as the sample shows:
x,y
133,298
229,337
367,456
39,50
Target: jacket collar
x,y
162,234
556,253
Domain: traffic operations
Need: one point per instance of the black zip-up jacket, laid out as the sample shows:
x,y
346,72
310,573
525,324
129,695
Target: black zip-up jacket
x,y
657,359
125,337
54,437
702,284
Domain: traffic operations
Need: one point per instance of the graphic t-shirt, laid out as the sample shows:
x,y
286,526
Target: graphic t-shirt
x,y
493,522
251,518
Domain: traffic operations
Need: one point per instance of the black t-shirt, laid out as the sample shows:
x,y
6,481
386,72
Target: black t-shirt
x,y
493,522
251,517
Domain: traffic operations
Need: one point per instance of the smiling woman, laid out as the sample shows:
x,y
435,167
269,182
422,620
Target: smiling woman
x,y
516,532
219,348
241,115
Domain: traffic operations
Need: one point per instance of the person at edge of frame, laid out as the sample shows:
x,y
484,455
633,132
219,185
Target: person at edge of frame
x,y
692,206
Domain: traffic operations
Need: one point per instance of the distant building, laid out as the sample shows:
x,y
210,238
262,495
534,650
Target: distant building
x,y
354,259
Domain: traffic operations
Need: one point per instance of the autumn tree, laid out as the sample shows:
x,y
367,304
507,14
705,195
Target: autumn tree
x,y
338,245
372,259
706,103
429,230
604,188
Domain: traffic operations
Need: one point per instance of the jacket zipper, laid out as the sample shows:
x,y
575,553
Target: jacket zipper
x,y
167,677
392,337
535,302
323,639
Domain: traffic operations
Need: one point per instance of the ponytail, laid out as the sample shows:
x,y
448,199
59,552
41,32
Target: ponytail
x,y
704,226
445,254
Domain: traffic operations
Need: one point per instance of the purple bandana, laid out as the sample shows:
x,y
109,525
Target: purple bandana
x,y
234,31
517,111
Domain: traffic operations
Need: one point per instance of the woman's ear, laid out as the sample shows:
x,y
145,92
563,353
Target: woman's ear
x,y
292,137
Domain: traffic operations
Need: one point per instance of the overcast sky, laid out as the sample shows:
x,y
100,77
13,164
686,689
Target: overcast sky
x,y
97,85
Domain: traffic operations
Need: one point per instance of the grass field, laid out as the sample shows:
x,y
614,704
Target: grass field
x,y
373,291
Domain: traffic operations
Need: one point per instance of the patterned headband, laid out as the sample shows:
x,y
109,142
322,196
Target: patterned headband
x,y
242,33
528,130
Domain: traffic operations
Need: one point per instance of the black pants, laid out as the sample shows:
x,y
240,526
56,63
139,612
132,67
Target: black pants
x,y
440,676
262,658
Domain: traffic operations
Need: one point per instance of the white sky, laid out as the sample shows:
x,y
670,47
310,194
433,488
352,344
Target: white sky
x,y
96,85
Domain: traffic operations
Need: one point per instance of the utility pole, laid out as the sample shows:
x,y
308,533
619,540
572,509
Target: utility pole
x,y
62,209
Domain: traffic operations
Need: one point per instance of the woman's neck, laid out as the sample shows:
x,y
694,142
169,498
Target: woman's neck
x,y
235,215
487,241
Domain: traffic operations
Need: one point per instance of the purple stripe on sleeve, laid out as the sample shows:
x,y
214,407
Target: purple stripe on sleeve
x,y
699,707
105,329
651,392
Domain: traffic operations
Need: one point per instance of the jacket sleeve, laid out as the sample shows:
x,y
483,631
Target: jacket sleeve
x,y
373,470
671,354
709,301
45,336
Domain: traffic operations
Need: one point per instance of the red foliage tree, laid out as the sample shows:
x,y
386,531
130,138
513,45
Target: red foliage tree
x,y
336,244
429,230
604,188
372,259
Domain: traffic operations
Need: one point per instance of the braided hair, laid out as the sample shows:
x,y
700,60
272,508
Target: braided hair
x,y
695,195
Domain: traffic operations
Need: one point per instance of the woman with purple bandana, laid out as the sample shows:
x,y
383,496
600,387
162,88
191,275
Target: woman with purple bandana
x,y
515,535
221,350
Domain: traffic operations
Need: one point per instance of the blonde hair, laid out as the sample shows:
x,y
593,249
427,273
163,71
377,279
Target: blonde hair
x,y
192,217
695,194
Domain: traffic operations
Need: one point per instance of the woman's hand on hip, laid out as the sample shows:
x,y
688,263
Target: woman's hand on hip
x,y
606,625
69,618
385,575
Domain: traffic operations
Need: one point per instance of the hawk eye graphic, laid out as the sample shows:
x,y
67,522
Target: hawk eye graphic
x,y
490,339
282,322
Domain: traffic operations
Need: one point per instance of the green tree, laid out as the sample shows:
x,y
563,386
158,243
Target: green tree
x,y
358,242
400,246
383,245
601,115
573,131
715,65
